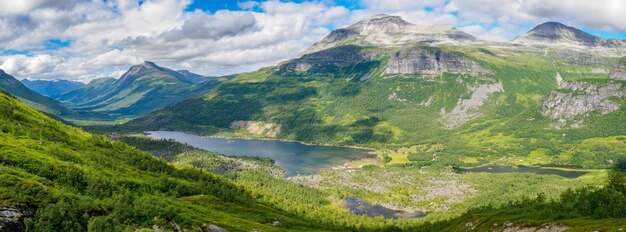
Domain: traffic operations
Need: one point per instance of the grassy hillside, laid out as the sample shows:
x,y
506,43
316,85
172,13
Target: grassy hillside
x,y
39,102
346,101
583,209
60,178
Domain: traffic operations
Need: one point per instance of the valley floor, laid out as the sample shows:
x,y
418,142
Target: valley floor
x,y
439,191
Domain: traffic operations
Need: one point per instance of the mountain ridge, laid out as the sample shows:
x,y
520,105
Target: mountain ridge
x,y
387,30
50,88
142,89
556,33
48,105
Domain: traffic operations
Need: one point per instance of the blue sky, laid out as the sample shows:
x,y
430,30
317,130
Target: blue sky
x,y
87,39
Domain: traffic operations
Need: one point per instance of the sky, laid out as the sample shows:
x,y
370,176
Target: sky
x,y
86,39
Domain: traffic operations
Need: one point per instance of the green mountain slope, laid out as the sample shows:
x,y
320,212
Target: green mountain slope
x,y
13,86
141,90
53,87
480,100
58,178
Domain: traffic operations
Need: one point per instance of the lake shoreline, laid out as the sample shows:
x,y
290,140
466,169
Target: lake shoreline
x,y
273,139
297,157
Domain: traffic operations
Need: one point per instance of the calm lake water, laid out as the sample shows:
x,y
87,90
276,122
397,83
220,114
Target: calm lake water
x,y
359,206
523,169
297,158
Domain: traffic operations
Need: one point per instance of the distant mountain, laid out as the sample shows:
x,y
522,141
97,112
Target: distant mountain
x,y
93,88
52,87
142,89
554,33
386,30
14,87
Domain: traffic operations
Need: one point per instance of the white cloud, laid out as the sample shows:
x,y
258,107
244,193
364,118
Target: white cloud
x,y
119,33
607,14
106,37
26,66
26,6
202,26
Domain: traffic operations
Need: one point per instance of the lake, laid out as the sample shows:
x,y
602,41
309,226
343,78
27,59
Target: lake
x,y
296,158
359,206
523,169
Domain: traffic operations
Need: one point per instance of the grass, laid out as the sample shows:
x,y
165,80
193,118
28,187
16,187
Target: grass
x,y
50,168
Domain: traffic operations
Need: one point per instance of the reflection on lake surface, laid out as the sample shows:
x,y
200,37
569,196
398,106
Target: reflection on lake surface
x,y
359,206
523,169
297,158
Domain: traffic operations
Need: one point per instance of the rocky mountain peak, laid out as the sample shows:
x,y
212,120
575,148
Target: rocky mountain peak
x,y
141,70
151,70
149,64
387,30
555,33
380,23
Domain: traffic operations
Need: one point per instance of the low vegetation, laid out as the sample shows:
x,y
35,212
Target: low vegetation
x,y
70,180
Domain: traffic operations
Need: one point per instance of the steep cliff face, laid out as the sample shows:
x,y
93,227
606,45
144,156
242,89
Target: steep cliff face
x,y
420,61
339,57
577,98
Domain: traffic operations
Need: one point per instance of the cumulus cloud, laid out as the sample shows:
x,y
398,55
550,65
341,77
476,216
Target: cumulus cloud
x,y
608,14
25,6
106,37
27,66
203,26
118,33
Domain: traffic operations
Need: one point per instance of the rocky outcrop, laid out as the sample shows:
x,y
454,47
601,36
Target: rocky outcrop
x,y
318,62
12,217
573,56
431,61
577,98
214,228
387,30
465,109
510,227
260,128
619,72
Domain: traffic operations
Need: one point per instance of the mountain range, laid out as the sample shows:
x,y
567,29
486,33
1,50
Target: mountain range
x,y
381,82
142,89
11,85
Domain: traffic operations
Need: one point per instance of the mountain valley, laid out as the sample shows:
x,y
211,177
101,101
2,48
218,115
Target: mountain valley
x,y
447,131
